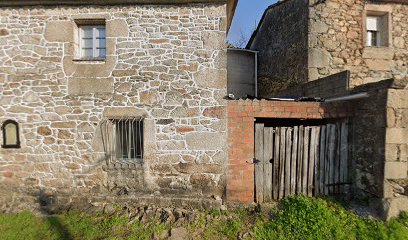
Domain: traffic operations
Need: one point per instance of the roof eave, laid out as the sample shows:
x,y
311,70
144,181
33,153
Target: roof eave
x,y
248,46
20,3
231,6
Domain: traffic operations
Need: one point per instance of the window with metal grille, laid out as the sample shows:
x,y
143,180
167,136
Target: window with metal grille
x,y
123,139
92,42
129,139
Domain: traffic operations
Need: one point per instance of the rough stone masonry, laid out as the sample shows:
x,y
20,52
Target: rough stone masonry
x,y
164,63
310,39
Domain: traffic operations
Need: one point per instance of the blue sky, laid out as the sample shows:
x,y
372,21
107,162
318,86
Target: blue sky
x,y
247,16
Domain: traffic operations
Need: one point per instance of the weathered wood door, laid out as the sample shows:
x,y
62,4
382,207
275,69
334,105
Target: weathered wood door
x,y
308,160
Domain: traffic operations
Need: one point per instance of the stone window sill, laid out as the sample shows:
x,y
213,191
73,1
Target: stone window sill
x,y
377,47
378,53
89,60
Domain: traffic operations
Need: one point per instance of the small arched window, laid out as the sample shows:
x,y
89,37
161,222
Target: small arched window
x,y
11,137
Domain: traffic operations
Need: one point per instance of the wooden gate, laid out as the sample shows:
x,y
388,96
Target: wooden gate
x,y
311,160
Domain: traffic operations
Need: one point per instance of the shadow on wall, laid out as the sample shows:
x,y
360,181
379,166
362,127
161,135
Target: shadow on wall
x,y
45,203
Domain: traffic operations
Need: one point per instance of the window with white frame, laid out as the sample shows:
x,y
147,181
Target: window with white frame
x,y
92,41
123,139
374,31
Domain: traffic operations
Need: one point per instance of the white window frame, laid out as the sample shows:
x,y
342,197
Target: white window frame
x,y
371,30
95,42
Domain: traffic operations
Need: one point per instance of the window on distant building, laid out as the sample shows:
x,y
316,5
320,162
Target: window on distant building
x,y
92,41
378,26
374,25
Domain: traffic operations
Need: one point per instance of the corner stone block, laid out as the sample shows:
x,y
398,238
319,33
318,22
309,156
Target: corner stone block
x,y
319,58
82,86
205,141
396,153
211,78
215,11
393,206
396,135
397,98
214,40
396,170
319,27
59,31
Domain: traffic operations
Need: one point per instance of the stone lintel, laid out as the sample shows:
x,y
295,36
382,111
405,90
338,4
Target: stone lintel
x,y
120,112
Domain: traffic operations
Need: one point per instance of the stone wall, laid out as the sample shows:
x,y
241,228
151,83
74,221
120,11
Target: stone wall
x,y
396,144
328,37
281,39
379,146
337,41
331,86
165,63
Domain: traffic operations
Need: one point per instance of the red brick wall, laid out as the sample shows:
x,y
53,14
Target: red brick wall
x,y
241,121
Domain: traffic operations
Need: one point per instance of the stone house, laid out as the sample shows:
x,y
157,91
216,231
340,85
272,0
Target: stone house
x,y
109,101
309,39
339,48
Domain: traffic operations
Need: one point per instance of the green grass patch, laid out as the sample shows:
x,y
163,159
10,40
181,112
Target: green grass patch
x,y
294,218
309,218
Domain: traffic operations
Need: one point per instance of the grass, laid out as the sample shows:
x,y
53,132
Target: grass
x,y
305,218
295,218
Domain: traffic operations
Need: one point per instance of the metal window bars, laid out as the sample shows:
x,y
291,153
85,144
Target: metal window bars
x,y
123,140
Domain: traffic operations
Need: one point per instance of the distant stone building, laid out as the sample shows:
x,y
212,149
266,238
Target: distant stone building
x,y
337,48
120,100
304,40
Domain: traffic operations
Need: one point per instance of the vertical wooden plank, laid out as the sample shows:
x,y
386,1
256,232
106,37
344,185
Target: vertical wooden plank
x,y
317,162
337,160
259,132
300,160
276,164
305,161
344,156
327,160
293,166
288,160
322,155
282,162
311,164
332,151
267,165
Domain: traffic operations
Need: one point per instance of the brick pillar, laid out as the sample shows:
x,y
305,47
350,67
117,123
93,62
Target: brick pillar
x,y
240,175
